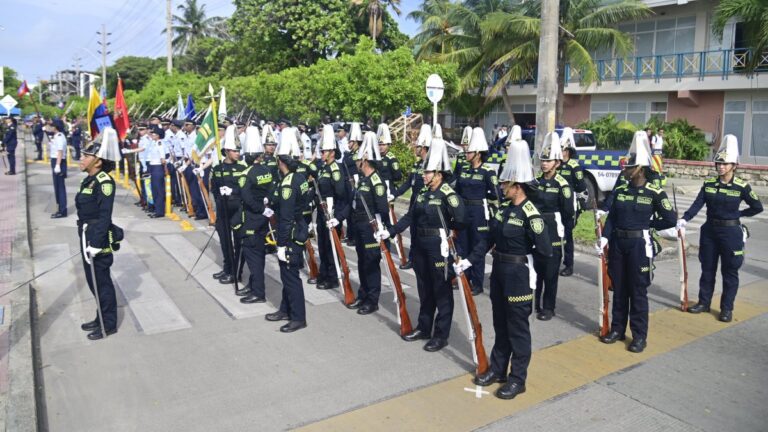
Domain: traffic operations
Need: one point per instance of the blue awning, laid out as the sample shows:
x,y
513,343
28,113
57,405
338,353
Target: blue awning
x,y
14,111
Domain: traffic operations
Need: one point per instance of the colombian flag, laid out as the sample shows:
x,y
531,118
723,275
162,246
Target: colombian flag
x,y
96,108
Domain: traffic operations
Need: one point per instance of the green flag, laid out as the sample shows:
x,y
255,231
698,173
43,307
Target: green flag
x,y
208,132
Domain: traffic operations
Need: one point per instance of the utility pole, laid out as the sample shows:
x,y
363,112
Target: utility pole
x,y
77,66
104,53
546,94
169,35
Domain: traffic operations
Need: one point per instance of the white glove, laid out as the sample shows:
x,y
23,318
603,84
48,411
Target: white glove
x,y
333,223
268,212
390,197
461,266
92,251
381,235
57,169
311,227
600,245
281,254
225,190
198,172
681,223
599,213
123,151
266,201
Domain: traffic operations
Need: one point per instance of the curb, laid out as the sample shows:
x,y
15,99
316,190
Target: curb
x,y
22,409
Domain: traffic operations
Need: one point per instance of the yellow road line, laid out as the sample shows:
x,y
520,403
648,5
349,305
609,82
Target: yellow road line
x,y
556,370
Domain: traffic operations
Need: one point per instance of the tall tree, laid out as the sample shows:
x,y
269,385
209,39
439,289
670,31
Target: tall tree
x,y
437,23
135,71
754,15
193,24
376,9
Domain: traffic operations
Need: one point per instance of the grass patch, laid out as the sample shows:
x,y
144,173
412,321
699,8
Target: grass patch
x,y
584,232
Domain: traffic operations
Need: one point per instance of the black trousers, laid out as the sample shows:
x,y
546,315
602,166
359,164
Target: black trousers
x,y
368,259
569,224
511,299
293,289
434,286
724,244
253,248
230,247
327,268
630,271
547,275
107,298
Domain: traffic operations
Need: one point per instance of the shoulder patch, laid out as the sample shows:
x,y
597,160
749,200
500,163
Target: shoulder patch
x,y
286,193
241,181
107,188
666,204
537,225
453,200
102,176
380,190
566,191
336,175
753,195
530,209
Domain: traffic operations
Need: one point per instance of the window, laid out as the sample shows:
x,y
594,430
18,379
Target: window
x,y
760,128
659,110
636,112
664,36
733,120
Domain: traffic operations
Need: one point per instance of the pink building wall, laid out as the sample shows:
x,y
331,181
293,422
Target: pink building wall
x,y
576,109
702,109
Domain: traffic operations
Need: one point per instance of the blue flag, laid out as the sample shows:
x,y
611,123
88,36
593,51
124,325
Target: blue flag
x,y
189,111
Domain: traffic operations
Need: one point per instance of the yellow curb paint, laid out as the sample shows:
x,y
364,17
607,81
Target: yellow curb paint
x,y
556,370
186,226
172,216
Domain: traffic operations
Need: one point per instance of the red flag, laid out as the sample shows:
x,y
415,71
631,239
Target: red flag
x,y
23,89
122,122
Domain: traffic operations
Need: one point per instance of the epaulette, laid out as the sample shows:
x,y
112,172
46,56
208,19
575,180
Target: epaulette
x,y
243,164
623,186
530,209
653,187
334,166
711,180
375,179
739,182
446,189
288,178
561,180
102,177
487,167
573,163
247,170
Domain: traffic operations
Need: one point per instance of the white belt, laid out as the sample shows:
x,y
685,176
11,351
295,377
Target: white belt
x,y
560,226
531,273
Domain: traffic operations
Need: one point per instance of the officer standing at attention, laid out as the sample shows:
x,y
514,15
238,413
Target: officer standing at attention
x,y
349,146
94,202
156,161
518,233
437,210
638,207
290,198
269,140
9,144
333,190
77,136
554,200
256,184
58,152
476,184
571,170
415,181
390,167
38,132
226,191
369,200
461,158
189,172
722,235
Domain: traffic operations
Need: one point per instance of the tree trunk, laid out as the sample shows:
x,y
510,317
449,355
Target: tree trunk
x,y
560,85
505,98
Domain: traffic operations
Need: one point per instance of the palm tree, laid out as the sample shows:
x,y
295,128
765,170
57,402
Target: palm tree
x,y
437,23
511,40
754,15
376,10
193,24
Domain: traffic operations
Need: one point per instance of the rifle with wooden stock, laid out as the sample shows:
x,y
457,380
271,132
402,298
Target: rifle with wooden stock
x,y
682,258
314,270
474,327
339,257
603,279
394,278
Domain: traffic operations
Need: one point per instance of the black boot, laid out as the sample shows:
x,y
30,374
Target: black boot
x,y
612,337
698,308
489,378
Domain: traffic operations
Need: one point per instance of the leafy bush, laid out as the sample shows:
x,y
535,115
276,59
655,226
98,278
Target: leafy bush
x,y
610,133
405,157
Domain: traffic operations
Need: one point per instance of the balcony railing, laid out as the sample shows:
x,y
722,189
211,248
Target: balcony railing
x,y
700,64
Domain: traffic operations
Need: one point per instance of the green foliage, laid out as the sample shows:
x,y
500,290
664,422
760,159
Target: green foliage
x,y
584,231
405,156
753,15
10,82
389,37
164,88
683,141
356,86
201,57
610,133
193,24
135,72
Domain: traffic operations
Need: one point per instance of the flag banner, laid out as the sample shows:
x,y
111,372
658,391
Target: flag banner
x,y
95,109
180,111
23,89
223,103
208,132
189,111
122,122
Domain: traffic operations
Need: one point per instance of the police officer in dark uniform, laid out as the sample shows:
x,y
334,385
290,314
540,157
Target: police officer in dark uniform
x,y
9,144
77,137
554,200
94,202
571,170
59,167
333,190
638,207
38,133
369,200
415,181
226,192
291,198
269,140
477,185
349,146
722,235
430,247
518,233
461,159
256,185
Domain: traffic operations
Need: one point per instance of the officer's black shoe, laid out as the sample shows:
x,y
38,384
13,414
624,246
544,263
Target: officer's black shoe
x,y
637,346
90,325
200,217
312,281
612,337
355,304
219,274
406,266
321,285
545,315
489,378
293,326
155,216
510,390
96,334
698,308
227,279
435,344
327,285
277,316
350,243
726,316
367,309
568,271
58,215
253,299
476,291
243,291
415,335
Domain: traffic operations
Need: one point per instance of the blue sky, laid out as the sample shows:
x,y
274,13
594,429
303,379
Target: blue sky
x,y
43,36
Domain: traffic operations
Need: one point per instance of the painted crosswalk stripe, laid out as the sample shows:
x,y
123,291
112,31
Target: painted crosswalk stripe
x,y
150,305
185,253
